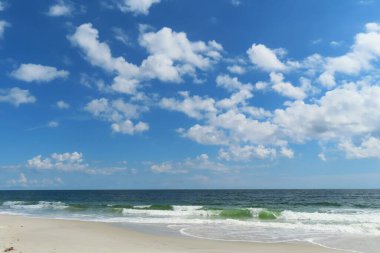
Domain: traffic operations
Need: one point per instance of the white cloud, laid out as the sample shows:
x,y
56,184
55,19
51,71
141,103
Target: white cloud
x,y
127,127
193,106
60,8
286,88
119,113
335,43
241,91
38,73
177,54
24,181
137,6
64,161
3,25
121,36
201,162
171,56
53,124
322,156
286,152
265,58
247,152
16,96
236,69
62,104
165,167
364,51
368,148
207,135
99,53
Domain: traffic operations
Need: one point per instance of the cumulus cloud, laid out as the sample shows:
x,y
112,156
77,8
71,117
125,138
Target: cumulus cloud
x,y
247,152
177,47
63,105
119,113
265,58
347,111
286,88
344,116
368,148
363,53
137,7
207,135
38,73
70,162
16,96
60,8
236,69
171,56
193,106
65,161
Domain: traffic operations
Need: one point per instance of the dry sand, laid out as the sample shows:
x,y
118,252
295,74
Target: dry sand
x,y
37,235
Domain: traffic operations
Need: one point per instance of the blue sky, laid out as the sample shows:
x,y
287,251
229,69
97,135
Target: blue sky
x,y
132,94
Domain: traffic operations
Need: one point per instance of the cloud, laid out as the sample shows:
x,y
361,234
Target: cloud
x,y
246,153
137,7
61,8
62,105
171,56
64,161
201,162
193,106
265,58
368,148
346,112
21,181
286,88
24,181
121,36
363,53
236,69
38,73
119,113
53,124
207,135
3,25
176,47
335,43
286,152
16,96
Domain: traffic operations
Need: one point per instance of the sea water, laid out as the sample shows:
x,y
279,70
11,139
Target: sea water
x,y
340,219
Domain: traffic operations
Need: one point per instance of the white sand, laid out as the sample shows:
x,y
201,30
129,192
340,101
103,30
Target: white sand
x,y
35,235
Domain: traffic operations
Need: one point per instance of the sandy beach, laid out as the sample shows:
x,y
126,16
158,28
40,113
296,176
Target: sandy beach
x,y
30,235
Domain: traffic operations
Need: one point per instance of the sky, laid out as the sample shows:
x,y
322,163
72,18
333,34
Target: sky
x,y
165,94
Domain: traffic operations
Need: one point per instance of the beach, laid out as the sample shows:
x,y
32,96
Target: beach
x,y
30,235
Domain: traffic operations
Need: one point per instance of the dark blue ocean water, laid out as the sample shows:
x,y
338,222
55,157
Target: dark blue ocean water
x,y
332,218
273,199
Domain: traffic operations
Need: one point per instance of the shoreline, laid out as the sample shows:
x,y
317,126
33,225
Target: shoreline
x,y
29,234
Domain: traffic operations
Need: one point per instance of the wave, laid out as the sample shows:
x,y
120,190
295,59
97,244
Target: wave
x,y
35,205
236,213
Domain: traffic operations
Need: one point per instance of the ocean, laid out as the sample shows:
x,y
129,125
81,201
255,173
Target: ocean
x,y
340,219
